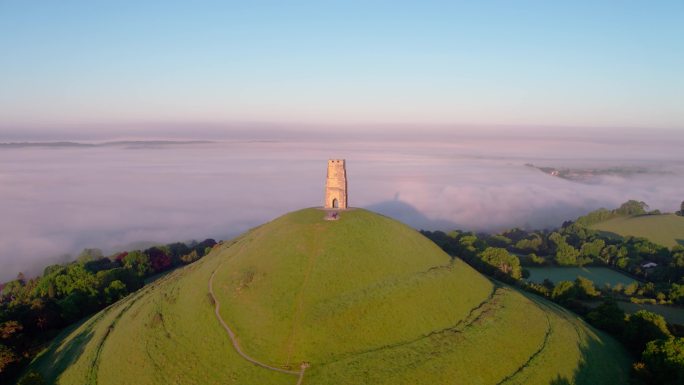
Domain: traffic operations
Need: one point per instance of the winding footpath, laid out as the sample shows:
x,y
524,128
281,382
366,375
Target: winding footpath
x,y
236,345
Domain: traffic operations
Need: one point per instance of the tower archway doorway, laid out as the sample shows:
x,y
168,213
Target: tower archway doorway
x,y
335,204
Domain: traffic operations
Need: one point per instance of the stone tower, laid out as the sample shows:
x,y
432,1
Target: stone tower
x,y
336,185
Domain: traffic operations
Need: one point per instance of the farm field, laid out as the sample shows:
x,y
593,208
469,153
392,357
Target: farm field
x,y
362,300
599,275
671,313
666,229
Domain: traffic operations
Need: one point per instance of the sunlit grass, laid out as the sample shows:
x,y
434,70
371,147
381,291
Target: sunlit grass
x,y
365,300
667,230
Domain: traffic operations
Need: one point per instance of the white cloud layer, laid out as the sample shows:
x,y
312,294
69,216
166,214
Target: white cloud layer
x,y
59,200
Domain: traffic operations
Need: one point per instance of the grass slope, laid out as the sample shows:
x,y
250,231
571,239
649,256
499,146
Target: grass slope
x,y
364,300
666,229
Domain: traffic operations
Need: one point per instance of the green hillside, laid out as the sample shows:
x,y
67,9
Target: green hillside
x,y
666,229
363,300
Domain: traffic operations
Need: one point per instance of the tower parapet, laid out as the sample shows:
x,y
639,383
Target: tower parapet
x,y
336,185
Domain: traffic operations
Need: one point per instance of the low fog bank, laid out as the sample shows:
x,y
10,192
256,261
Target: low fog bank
x,y
57,201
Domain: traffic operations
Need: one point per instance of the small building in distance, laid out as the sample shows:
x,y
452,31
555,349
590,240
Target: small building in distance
x,y
336,185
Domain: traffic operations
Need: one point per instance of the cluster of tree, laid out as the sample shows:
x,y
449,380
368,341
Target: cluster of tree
x,y
33,310
576,245
648,336
645,333
628,208
492,260
659,345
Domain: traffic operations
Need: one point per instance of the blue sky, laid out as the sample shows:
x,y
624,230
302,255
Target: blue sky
x,y
543,63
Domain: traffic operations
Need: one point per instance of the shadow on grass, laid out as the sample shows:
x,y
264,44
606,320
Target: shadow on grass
x,y
560,381
603,360
64,350
601,363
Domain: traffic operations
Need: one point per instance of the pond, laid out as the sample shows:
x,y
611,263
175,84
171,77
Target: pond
x,y
599,275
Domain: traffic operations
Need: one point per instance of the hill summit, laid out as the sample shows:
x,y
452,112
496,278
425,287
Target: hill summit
x,y
362,299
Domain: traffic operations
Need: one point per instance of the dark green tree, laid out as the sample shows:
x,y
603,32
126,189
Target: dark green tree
x,y
503,261
609,317
664,361
676,294
566,255
585,288
139,262
563,291
115,291
644,326
8,360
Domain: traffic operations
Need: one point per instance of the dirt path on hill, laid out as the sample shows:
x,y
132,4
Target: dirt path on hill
x,y
236,345
527,363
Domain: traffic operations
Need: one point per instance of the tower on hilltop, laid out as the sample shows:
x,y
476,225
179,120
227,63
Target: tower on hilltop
x,y
336,185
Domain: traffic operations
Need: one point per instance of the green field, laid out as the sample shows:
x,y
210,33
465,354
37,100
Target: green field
x,y
671,313
599,275
666,229
363,300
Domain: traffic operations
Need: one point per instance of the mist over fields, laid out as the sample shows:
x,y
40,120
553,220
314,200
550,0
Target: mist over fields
x,y
56,200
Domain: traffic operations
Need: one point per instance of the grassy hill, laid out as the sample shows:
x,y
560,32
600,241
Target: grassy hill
x,y
666,229
364,300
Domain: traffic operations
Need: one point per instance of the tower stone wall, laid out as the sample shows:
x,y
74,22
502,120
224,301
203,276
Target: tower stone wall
x,y
336,185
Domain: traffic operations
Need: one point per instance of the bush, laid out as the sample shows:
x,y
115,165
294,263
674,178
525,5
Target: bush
x,y
664,360
563,291
115,291
585,288
503,261
644,326
8,360
640,301
609,317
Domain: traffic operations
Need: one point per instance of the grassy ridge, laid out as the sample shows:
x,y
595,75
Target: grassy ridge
x,y
319,289
365,300
512,339
666,229
167,335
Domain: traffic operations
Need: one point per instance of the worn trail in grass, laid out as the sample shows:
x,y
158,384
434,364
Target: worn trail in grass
x,y
236,345
364,300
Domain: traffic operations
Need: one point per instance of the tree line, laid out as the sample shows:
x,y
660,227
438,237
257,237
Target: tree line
x,y
34,310
504,256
